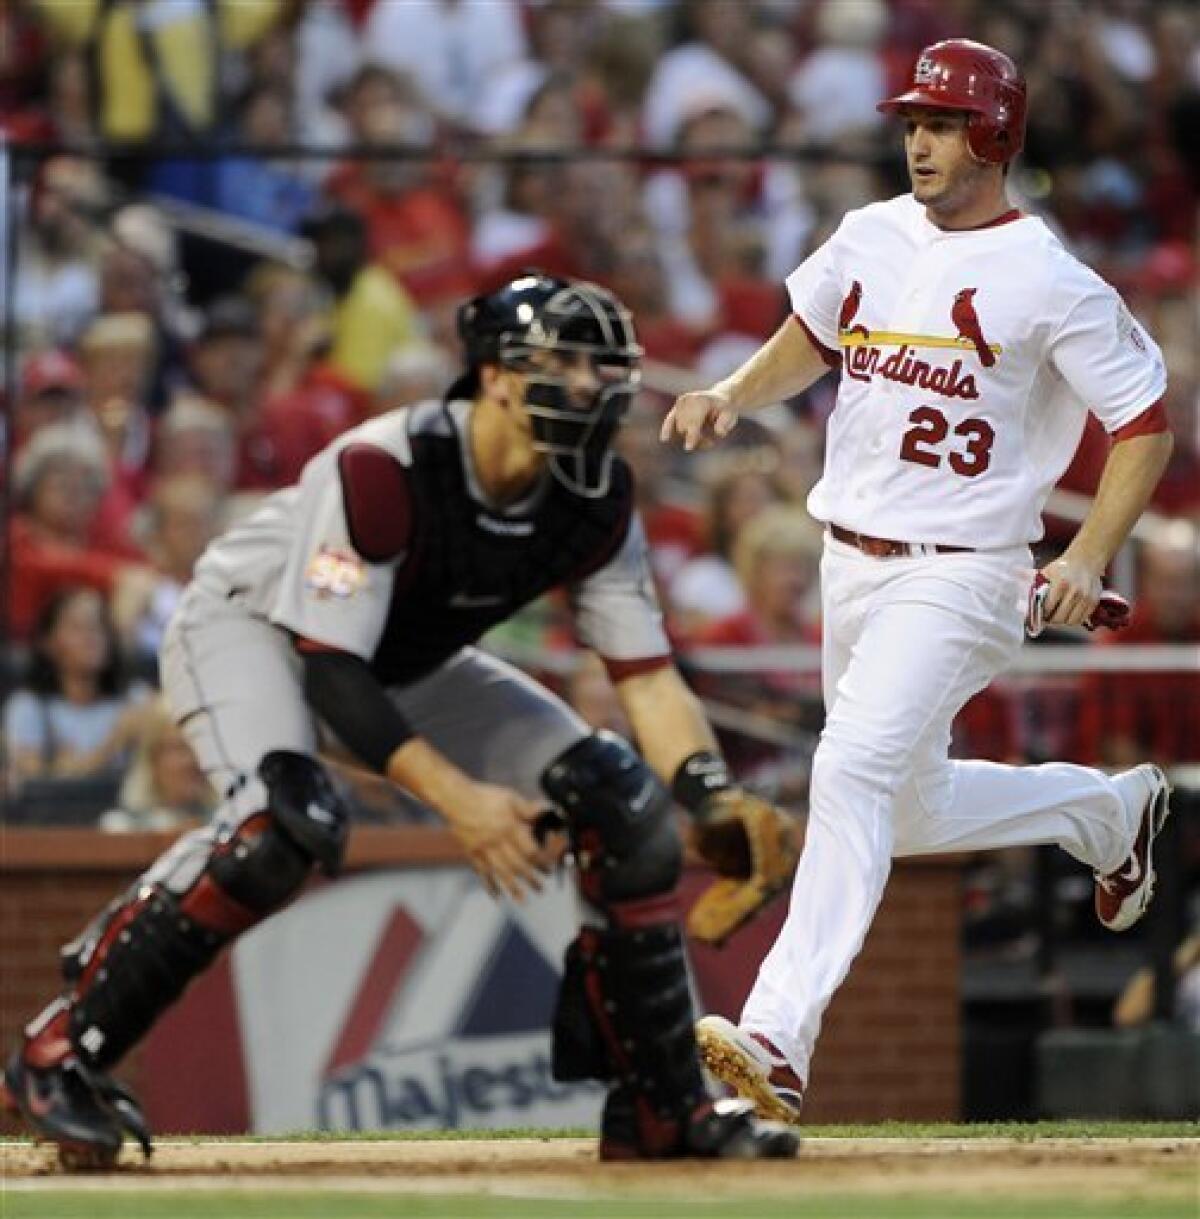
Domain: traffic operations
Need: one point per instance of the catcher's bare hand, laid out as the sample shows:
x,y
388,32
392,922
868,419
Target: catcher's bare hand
x,y
1074,591
495,826
699,417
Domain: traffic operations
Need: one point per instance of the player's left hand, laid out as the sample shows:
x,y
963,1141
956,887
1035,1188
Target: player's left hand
x,y
1074,591
752,846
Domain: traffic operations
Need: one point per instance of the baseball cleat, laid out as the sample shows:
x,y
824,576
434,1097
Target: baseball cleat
x,y
60,1106
1123,896
86,1114
632,1129
750,1065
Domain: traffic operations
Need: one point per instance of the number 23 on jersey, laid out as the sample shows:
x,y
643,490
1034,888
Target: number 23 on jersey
x,y
966,450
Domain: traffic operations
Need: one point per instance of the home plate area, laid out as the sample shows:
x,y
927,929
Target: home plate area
x,y
1144,1168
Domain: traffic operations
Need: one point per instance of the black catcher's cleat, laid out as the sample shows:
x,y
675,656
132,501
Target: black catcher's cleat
x,y
721,1130
128,1112
82,1111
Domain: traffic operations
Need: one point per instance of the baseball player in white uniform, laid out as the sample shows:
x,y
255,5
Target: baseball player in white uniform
x,y
971,345
356,598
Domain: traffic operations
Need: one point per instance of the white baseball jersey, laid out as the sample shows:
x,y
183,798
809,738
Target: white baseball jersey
x,y
969,362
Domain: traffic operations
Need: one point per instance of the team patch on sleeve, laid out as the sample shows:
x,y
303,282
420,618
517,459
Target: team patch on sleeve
x,y
337,573
1129,331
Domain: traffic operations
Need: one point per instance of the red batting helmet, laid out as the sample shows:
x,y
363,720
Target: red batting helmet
x,y
962,75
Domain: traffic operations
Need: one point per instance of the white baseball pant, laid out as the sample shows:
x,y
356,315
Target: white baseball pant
x,y
907,641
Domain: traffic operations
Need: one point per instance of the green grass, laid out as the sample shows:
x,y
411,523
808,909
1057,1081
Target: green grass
x,y
112,1204
1024,1131
109,1198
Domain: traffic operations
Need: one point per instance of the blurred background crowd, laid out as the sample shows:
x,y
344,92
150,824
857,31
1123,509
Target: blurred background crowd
x,y
248,225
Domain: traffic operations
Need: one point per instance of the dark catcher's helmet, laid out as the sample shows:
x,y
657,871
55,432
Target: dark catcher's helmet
x,y
962,75
534,315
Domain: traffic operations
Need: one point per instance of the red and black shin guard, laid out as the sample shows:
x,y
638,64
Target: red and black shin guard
x,y
136,958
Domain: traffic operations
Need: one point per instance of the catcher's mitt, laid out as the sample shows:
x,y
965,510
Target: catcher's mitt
x,y
752,846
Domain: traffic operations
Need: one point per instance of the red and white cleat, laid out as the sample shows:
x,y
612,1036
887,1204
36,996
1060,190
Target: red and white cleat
x,y
1123,896
750,1065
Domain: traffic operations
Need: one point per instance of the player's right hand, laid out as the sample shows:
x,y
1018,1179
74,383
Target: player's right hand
x,y
699,417
495,826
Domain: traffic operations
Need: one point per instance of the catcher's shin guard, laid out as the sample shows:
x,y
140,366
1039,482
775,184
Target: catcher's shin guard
x,y
136,958
624,1010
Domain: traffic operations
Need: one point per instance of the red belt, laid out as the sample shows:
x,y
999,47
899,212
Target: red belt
x,y
886,548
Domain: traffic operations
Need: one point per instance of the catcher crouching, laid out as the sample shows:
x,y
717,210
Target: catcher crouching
x,y
354,599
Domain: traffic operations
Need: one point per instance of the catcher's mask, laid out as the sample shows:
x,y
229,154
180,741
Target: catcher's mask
x,y
575,345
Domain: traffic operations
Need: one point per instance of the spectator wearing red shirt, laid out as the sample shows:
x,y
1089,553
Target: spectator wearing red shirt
x,y
24,57
516,203
638,277
582,237
275,439
417,227
59,481
1125,716
305,402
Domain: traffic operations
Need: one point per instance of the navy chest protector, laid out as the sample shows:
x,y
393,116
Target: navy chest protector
x,y
469,568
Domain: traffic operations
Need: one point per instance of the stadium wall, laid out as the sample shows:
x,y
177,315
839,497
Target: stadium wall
x,y
891,1046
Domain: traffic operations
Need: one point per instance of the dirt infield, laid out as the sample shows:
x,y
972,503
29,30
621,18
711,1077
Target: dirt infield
x,y
1167,1169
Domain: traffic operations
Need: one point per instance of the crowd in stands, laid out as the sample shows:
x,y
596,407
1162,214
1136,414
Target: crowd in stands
x,y
199,308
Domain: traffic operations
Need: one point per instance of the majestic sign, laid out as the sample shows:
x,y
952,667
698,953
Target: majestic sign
x,y
407,1001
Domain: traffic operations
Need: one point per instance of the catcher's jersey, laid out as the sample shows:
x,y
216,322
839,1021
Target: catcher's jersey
x,y
969,361
389,549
